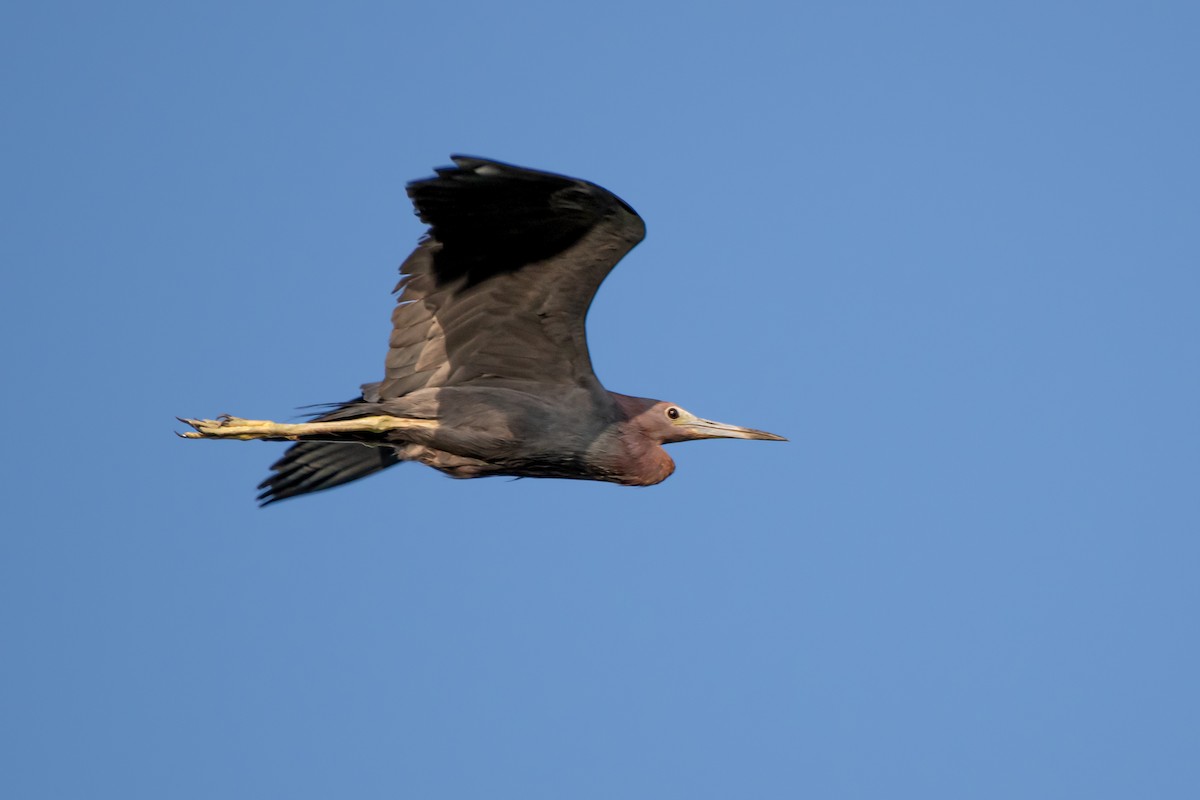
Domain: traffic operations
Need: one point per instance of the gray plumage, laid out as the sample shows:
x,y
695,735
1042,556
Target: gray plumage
x,y
487,371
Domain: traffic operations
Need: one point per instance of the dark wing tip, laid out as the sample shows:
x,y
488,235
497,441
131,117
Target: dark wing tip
x,y
502,169
493,218
314,466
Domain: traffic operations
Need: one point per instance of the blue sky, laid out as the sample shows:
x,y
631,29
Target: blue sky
x,y
951,250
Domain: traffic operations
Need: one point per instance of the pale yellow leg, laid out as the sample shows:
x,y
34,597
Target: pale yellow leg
x,y
227,427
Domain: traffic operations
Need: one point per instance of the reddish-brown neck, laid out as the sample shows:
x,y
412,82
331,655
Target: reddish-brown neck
x,y
642,460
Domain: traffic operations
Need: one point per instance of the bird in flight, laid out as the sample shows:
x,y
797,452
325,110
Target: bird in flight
x,y
487,371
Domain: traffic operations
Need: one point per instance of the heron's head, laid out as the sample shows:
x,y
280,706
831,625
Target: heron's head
x,y
674,424
668,422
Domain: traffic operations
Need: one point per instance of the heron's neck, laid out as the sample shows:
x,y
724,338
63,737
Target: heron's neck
x,y
643,462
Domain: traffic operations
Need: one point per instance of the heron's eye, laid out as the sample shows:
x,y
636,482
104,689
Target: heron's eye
x,y
672,413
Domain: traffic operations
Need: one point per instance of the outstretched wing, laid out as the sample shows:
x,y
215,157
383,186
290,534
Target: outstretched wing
x,y
498,290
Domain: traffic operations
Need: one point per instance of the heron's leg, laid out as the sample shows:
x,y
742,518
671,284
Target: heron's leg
x,y
227,427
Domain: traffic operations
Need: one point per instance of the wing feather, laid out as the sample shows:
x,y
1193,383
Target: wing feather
x,y
499,288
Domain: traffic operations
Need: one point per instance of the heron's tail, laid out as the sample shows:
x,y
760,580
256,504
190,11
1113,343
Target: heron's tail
x,y
313,466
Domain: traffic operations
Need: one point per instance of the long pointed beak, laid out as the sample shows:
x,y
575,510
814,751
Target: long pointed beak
x,y
707,429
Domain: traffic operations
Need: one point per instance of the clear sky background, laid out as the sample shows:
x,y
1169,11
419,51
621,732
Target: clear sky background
x,y
950,249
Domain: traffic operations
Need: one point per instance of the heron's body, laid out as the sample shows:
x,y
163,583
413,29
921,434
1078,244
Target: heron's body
x,y
567,433
487,371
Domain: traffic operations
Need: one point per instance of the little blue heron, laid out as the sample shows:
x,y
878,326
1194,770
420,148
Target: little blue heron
x,y
488,371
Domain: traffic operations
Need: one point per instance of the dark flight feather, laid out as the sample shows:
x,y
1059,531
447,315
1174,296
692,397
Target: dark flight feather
x,y
313,466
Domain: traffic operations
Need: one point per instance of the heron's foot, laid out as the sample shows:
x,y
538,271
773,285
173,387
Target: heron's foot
x,y
343,430
229,427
